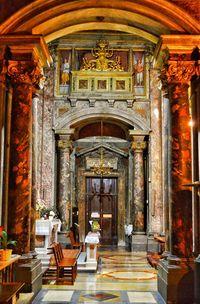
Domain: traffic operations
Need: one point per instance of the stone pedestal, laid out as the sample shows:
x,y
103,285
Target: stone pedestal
x,y
92,241
139,243
31,274
176,280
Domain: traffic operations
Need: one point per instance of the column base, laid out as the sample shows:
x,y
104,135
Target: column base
x,y
139,242
197,280
176,280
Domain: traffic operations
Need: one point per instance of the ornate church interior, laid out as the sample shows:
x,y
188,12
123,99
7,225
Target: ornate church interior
x,y
100,135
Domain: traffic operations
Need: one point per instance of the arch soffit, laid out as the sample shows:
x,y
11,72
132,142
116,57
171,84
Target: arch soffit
x,y
39,12
75,118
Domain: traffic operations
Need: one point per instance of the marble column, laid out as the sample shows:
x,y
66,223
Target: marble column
x,y
177,272
24,76
178,75
64,145
138,186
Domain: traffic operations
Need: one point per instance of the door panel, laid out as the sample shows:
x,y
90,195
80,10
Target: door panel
x,y
101,205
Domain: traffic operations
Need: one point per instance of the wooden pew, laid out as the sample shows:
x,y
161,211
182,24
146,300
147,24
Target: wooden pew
x,y
9,292
64,267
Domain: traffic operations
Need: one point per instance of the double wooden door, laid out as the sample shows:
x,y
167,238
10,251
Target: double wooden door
x,y
101,206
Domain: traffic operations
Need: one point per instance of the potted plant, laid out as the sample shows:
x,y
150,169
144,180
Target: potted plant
x,y
4,242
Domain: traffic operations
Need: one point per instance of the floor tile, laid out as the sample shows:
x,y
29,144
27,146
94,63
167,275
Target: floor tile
x,y
57,296
141,297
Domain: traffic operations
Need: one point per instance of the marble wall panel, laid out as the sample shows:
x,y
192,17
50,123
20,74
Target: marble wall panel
x,y
156,204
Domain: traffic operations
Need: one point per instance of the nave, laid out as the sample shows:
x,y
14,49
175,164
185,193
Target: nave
x,y
122,277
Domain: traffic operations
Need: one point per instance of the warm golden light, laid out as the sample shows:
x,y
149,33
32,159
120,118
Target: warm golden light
x,y
102,168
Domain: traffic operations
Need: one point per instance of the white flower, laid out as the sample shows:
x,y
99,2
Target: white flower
x,y
52,213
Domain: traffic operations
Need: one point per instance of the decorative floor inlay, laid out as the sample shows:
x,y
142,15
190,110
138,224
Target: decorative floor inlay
x,y
122,259
141,297
57,296
134,275
100,296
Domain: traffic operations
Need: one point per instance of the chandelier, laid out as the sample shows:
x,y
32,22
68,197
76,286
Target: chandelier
x,y
103,168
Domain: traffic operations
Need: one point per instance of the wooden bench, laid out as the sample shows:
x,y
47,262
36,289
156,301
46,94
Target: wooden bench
x,y
64,267
9,292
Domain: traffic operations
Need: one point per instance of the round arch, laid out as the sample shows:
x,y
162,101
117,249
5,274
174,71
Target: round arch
x,y
145,18
78,117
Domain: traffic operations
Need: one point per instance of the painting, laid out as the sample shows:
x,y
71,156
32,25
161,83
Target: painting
x,y
139,73
64,71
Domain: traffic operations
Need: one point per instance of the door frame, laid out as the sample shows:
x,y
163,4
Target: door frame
x,y
81,182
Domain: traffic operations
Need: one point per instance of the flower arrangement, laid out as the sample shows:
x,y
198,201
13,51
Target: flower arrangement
x,y
40,205
44,211
95,226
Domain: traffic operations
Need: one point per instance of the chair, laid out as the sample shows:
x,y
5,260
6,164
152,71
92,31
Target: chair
x,y
73,242
66,267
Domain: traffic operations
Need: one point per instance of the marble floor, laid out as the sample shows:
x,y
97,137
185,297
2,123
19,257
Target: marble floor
x,y
121,277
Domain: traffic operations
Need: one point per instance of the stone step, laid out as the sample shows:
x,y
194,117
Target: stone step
x,y
81,259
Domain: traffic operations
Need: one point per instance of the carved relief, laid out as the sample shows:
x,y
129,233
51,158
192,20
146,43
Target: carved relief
x,y
103,61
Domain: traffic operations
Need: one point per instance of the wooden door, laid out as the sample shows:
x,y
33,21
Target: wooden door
x,y
101,205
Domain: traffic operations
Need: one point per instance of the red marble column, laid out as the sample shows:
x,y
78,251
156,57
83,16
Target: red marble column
x,y
138,185
178,76
24,76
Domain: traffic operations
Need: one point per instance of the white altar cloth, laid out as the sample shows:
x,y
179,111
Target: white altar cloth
x,y
92,238
44,227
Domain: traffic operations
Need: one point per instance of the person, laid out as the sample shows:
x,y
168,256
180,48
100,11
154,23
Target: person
x,y
65,72
139,70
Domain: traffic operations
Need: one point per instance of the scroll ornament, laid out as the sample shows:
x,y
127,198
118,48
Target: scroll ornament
x,y
179,71
24,72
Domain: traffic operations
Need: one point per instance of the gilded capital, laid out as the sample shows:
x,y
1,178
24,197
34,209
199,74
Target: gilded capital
x,y
138,146
64,144
179,71
24,72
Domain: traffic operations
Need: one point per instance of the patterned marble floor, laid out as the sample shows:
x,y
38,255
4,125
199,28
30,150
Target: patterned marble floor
x,y
122,277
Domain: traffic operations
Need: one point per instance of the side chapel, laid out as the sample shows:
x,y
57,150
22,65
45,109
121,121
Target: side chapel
x,y
100,120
